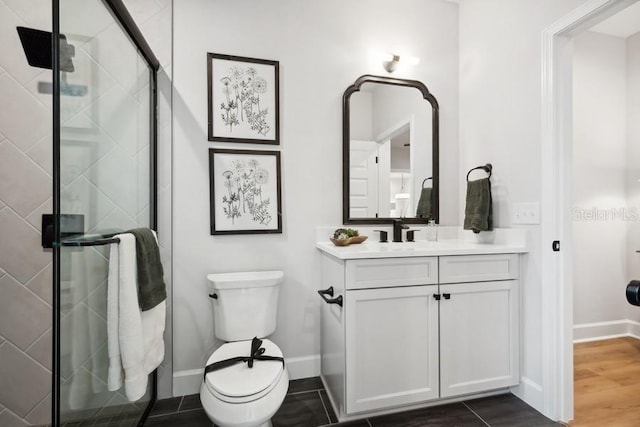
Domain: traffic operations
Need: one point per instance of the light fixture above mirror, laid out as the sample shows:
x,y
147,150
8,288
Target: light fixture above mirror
x,y
391,61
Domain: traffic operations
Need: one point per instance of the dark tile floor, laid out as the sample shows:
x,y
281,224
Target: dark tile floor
x,y
307,405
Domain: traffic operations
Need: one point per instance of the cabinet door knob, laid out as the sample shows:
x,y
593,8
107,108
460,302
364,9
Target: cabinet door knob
x,y
437,297
446,296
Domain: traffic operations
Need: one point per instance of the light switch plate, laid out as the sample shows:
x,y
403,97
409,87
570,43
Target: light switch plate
x,y
526,213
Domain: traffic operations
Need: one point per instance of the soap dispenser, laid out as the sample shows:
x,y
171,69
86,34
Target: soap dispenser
x,y
432,230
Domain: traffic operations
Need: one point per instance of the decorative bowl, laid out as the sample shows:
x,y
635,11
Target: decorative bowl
x,y
348,240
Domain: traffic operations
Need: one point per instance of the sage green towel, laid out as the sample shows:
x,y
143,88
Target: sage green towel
x,y
424,204
151,287
478,212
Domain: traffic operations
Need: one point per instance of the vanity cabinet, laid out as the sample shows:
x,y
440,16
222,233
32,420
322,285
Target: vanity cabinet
x,y
416,329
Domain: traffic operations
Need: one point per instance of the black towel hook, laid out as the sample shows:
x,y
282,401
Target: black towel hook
x,y
426,179
487,168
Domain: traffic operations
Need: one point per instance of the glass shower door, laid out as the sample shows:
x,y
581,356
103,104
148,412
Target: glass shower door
x,y
105,186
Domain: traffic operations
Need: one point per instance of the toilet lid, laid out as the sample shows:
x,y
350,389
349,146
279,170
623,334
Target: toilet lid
x,y
239,380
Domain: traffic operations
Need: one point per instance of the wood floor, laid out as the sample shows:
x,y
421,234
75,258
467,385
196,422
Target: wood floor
x,y
607,383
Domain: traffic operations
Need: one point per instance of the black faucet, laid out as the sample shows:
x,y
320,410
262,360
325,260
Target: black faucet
x,y
398,226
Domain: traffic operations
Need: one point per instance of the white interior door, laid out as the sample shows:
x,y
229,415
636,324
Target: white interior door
x,y
363,197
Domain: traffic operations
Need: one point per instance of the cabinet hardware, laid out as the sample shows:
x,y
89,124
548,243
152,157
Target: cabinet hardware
x,y
446,296
437,297
214,296
555,246
329,291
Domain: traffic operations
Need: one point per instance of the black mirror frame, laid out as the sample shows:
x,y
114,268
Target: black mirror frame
x,y
346,138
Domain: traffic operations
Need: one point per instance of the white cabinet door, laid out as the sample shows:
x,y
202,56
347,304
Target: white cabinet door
x,y
479,337
391,338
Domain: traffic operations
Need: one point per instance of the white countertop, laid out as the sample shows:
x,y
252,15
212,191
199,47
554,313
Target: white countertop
x,y
374,249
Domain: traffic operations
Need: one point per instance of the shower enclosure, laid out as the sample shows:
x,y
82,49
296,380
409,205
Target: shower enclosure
x,y
104,156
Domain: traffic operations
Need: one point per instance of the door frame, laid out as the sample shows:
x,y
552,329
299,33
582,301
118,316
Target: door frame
x,y
556,155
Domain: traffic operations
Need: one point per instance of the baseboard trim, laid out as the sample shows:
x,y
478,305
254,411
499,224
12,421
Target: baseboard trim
x,y
188,381
530,392
303,367
598,331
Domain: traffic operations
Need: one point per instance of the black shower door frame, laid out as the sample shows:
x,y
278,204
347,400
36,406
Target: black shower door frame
x,y
122,16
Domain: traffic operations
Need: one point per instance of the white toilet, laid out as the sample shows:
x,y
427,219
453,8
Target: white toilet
x,y
244,307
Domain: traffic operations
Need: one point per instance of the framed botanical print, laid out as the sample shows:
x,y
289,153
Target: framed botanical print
x,y
245,191
243,99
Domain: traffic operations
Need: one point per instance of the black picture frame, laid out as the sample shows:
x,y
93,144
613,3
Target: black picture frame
x,y
242,189
243,99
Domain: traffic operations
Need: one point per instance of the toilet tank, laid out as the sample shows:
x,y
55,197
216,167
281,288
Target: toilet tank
x,y
245,304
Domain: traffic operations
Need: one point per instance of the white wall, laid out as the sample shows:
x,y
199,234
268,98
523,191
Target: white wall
x,y
633,162
599,178
500,122
360,125
322,48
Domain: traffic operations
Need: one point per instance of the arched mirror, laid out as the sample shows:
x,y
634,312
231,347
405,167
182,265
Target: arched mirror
x,y
390,151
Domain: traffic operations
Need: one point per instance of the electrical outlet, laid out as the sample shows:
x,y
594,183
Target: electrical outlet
x,y
526,213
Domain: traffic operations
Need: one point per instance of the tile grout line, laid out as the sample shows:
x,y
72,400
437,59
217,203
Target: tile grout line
x,y
474,413
324,407
166,414
303,391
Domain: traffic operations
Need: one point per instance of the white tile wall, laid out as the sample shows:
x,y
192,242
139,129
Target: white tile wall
x,y
29,381
23,184
23,316
9,419
22,116
12,57
21,254
25,188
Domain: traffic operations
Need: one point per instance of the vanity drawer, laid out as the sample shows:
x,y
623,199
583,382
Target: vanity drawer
x,y
387,272
478,268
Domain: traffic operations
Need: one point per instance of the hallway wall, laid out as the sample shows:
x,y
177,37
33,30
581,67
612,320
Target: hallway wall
x,y
633,166
601,211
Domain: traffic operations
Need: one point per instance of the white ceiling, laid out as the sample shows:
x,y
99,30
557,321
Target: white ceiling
x,y
623,24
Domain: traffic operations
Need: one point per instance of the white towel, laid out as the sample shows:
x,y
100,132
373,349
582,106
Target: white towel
x,y
135,337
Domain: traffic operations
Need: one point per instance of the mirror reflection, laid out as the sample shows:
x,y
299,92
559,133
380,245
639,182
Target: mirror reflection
x,y
392,150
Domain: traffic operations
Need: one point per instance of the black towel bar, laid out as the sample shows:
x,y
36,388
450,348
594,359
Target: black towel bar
x,y
487,168
105,240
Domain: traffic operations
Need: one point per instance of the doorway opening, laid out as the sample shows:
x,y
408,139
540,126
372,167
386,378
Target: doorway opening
x,y
567,178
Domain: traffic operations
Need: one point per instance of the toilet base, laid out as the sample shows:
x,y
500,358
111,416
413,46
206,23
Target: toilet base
x,y
256,413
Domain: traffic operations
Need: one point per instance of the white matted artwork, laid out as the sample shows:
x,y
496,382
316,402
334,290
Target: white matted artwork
x,y
243,99
245,191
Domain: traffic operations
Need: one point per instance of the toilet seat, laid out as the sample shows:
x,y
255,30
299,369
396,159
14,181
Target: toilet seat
x,y
239,383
